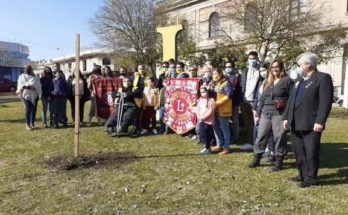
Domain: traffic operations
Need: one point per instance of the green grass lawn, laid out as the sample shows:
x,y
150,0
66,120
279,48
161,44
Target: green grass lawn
x,y
157,174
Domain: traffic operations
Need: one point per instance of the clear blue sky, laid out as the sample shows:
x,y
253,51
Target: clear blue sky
x,y
48,27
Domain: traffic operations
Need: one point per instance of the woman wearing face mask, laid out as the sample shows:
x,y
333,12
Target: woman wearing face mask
x,y
269,114
206,77
223,95
123,73
258,92
206,116
46,98
29,89
60,92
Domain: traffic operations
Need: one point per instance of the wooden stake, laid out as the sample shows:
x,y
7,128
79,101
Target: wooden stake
x,y
77,96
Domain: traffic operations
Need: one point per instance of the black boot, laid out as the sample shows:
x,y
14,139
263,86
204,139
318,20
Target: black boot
x,y
278,165
271,159
256,161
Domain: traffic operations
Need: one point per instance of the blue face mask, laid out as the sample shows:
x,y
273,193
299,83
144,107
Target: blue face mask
x,y
229,71
207,77
253,63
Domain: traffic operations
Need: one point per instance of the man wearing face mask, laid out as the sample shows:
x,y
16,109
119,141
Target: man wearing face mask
x,y
249,79
163,75
171,69
234,77
139,84
193,72
130,111
306,113
180,71
123,73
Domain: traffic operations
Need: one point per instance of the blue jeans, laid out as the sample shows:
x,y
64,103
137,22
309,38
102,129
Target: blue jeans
x,y
222,131
30,111
47,103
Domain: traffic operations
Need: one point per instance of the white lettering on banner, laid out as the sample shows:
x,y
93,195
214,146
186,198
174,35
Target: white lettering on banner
x,y
180,106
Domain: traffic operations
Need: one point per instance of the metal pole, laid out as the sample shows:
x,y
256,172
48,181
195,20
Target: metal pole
x,y
77,96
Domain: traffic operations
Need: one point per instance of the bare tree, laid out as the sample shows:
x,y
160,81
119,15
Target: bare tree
x,y
279,28
128,26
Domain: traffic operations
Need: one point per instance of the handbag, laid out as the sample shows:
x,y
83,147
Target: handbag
x,y
280,104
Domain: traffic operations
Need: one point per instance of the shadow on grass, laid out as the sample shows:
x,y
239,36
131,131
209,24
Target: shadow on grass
x,y
340,177
334,155
12,121
100,160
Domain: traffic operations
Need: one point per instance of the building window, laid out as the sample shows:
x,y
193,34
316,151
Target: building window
x,y
214,25
84,65
69,65
106,61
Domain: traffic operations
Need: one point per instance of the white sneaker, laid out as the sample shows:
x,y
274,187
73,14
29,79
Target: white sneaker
x,y
205,151
144,131
247,146
154,131
194,137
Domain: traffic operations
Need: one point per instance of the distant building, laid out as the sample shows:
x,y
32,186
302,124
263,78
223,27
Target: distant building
x,y
13,57
204,19
88,58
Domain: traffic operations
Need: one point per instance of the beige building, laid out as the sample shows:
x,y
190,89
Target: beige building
x,y
88,58
204,18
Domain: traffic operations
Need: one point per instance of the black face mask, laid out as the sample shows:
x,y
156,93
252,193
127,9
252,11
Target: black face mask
x,y
123,74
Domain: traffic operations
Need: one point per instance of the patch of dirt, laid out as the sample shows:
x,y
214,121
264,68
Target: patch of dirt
x,y
65,162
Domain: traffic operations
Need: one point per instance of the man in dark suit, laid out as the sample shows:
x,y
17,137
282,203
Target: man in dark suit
x,y
306,114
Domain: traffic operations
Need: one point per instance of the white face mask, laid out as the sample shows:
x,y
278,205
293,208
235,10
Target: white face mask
x,y
300,71
293,74
263,74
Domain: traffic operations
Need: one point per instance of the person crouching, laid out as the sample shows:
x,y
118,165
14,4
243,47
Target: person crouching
x,y
130,111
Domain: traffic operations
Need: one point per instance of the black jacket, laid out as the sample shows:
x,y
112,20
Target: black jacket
x,y
314,105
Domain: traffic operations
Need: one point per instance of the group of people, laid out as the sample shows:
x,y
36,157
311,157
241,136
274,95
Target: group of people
x,y
270,99
55,90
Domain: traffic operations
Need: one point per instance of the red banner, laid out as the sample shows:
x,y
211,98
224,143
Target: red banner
x,y
180,95
104,88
